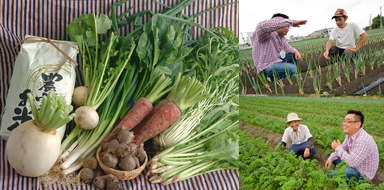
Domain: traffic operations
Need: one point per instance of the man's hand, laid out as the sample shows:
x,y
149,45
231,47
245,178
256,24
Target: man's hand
x,y
335,144
297,23
327,163
326,54
306,152
351,49
297,55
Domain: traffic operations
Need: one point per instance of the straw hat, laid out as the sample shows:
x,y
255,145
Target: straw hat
x,y
292,117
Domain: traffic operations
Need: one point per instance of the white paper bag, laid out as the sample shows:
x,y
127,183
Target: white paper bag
x,y
39,67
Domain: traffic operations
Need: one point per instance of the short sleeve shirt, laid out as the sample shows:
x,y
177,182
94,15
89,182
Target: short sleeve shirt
x,y
345,37
303,135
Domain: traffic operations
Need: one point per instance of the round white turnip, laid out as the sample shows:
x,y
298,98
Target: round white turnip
x,y
32,151
86,117
79,94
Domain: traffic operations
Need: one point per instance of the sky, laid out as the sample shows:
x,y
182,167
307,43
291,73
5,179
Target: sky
x,y
317,13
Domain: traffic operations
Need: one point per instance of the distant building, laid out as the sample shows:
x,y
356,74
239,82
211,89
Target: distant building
x,y
320,33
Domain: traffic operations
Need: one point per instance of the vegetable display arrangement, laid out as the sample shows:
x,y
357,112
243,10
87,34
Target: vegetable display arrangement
x,y
136,86
34,146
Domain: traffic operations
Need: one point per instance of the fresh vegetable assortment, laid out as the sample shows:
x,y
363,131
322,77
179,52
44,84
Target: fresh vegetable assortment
x,y
136,86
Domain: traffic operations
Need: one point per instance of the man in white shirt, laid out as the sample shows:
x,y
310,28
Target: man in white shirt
x,y
344,35
302,140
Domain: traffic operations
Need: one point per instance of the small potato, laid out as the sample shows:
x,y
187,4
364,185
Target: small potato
x,y
127,163
90,163
109,160
86,175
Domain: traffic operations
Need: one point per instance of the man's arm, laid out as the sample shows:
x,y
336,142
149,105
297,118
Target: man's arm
x,y
355,157
264,28
363,38
334,156
327,48
311,143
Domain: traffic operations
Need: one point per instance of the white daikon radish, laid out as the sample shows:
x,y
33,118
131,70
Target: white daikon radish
x,y
34,146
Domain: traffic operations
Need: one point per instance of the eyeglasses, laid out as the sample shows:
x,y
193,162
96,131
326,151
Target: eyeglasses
x,y
350,121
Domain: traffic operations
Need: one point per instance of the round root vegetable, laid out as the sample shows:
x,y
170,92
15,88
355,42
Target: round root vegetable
x,y
87,175
127,163
86,117
162,119
109,160
79,94
132,148
136,161
140,154
34,146
90,163
113,183
121,150
31,151
124,135
98,172
110,146
139,111
100,182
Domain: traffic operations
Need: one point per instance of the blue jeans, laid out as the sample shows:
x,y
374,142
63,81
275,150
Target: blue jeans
x,y
348,170
289,64
300,148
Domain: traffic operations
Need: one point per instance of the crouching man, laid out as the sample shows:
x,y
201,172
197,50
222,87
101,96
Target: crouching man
x,y
302,140
359,149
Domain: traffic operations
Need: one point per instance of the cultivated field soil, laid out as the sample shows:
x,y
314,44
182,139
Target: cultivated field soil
x,y
275,138
351,87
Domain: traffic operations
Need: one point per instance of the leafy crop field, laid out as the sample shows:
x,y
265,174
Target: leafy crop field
x,y
323,116
318,75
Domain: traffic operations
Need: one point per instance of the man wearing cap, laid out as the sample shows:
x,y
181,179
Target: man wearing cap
x,y
344,35
362,155
268,43
302,140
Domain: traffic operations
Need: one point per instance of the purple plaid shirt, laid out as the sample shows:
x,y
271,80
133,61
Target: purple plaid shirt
x,y
267,44
363,153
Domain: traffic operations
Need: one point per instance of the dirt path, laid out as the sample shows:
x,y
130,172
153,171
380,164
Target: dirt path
x,y
320,156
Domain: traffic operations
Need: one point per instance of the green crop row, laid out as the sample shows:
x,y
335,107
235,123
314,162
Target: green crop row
x,y
262,167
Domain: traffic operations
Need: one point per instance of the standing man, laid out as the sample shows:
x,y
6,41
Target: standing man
x,y
302,140
268,42
344,35
363,155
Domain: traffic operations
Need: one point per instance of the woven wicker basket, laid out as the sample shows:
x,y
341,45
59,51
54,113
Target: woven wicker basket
x,y
121,175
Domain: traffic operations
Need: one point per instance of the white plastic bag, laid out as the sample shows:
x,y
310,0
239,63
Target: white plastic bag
x,y
39,67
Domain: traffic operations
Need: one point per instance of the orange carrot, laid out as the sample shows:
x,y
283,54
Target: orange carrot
x,y
162,119
157,107
139,111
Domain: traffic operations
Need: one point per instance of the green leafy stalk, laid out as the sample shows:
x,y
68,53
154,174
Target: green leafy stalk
x,y
288,75
158,90
221,99
264,81
201,153
330,78
347,70
337,73
317,83
54,116
186,92
300,81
